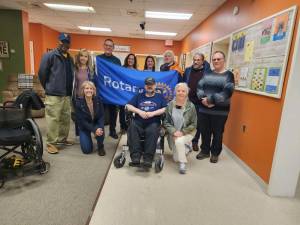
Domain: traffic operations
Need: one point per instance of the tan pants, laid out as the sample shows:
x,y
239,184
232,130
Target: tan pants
x,y
58,113
178,147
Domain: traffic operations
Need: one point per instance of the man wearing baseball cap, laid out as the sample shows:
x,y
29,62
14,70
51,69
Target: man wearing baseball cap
x,y
147,106
56,77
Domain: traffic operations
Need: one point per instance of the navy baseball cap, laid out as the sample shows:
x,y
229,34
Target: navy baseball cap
x,y
149,81
63,37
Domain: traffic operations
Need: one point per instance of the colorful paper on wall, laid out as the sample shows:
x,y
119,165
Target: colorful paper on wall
x,y
258,79
238,42
243,77
248,56
266,32
280,27
272,80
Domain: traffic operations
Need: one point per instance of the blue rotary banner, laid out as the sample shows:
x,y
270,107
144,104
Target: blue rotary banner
x,y
117,85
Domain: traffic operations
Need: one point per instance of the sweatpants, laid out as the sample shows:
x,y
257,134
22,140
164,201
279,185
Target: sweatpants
x,y
150,132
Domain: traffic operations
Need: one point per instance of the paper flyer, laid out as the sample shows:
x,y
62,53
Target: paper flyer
x,y
272,80
258,79
249,51
280,27
266,32
243,77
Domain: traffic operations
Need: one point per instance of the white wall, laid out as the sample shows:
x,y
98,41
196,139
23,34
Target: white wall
x,y
286,161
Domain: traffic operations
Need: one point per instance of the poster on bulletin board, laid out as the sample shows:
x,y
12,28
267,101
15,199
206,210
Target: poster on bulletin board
x,y
258,54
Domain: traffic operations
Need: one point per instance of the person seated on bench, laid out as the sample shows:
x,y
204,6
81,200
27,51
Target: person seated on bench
x,y
147,106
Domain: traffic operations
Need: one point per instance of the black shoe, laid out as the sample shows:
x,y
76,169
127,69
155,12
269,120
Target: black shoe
x,y
123,131
135,163
195,147
101,151
214,159
147,164
201,155
113,135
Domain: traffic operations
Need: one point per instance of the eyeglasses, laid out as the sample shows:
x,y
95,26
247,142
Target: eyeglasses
x,y
110,46
217,59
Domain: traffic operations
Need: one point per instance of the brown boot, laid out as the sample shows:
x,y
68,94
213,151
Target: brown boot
x,y
52,149
195,147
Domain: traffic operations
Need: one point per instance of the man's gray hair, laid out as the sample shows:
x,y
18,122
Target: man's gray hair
x,y
199,54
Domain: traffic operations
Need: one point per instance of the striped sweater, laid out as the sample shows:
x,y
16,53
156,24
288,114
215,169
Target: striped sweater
x,y
218,88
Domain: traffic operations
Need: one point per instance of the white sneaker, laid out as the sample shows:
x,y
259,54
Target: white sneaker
x,y
182,168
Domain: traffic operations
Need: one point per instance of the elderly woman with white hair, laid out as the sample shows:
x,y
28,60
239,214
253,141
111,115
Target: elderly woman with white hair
x,y
171,64
180,121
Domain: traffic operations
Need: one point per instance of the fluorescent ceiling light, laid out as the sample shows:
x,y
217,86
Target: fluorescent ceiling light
x,y
95,28
70,8
167,15
160,33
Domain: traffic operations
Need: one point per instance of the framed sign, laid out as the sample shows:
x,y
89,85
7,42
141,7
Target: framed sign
x,y
4,50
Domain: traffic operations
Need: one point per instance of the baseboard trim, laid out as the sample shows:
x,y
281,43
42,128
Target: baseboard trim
x,y
260,181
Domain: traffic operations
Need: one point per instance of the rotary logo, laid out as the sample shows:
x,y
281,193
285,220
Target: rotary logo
x,y
165,90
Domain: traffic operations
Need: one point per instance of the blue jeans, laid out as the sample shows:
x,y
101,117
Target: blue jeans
x,y
86,142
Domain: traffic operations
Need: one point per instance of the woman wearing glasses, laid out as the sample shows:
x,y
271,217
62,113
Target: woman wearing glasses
x,y
214,91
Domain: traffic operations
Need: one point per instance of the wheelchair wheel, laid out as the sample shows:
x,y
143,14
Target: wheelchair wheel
x,y
119,161
34,149
159,164
44,167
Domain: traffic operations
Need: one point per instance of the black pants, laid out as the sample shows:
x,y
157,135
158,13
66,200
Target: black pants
x,y
112,116
197,135
211,129
150,132
123,124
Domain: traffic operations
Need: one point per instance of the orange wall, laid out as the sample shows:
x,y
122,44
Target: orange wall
x,y
25,25
141,46
44,37
260,114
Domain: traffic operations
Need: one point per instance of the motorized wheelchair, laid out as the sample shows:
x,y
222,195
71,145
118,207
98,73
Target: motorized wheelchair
x,y
20,140
159,159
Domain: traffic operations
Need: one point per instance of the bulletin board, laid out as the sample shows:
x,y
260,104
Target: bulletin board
x,y
258,54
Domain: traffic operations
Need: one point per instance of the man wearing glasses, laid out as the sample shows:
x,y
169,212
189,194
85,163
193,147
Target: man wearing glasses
x,y
108,56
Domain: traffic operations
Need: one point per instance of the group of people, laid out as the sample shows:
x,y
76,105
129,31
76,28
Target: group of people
x,y
202,102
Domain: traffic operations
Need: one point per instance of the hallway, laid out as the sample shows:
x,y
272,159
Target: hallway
x,y
209,194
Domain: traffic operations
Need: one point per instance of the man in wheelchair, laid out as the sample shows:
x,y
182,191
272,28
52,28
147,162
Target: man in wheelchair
x,y
147,107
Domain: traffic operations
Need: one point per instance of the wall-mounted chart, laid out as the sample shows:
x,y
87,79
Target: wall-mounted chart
x,y
258,54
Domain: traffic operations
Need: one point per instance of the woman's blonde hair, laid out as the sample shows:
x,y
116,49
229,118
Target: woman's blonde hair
x,y
82,52
86,84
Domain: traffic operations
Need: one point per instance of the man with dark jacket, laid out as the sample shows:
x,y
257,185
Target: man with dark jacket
x,y
56,77
191,76
108,56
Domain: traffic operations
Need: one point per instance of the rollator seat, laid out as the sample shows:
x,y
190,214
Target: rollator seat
x,y
12,137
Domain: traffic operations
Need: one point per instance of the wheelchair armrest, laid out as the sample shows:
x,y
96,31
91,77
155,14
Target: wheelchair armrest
x,y
8,104
162,116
